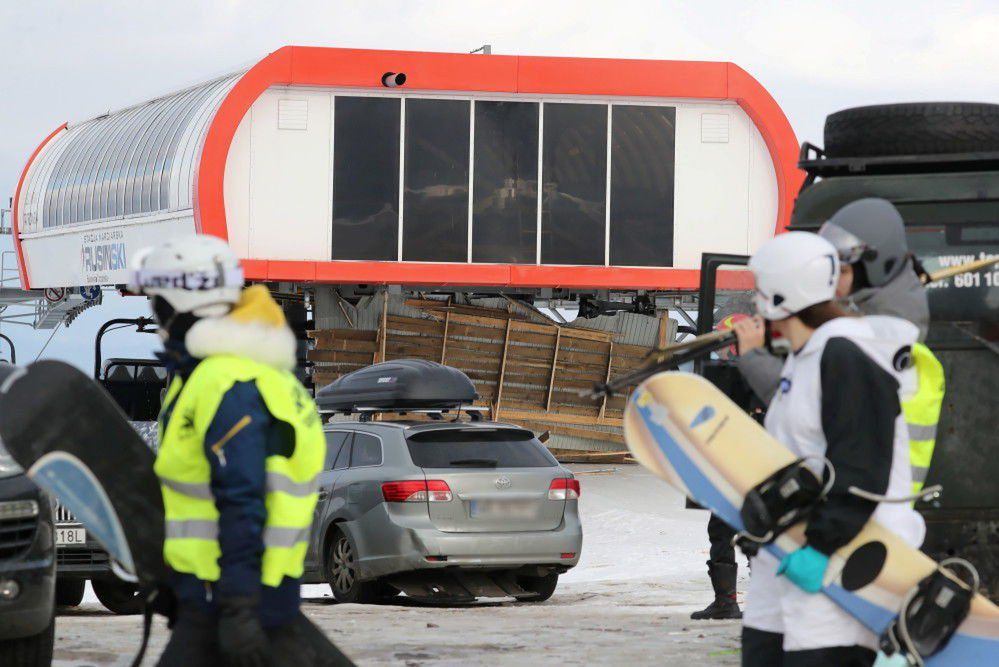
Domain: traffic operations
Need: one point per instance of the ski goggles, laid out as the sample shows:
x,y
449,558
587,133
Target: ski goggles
x,y
849,248
194,281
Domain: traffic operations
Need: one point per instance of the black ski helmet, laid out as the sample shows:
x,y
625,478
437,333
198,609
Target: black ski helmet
x,y
869,231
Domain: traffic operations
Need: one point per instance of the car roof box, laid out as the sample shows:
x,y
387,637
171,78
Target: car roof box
x,y
404,384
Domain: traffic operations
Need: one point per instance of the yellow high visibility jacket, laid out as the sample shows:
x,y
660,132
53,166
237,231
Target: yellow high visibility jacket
x,y
191,544
922,413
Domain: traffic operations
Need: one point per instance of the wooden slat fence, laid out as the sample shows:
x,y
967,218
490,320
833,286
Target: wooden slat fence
x,y
526,372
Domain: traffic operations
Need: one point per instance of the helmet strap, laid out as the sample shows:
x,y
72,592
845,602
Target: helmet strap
x,y
860,279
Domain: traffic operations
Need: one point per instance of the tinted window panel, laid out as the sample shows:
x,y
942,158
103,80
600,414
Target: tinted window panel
x,y
946,235
505,191
574,173
343,458
367,451
478,448
366,178
642,174
435,210
334,442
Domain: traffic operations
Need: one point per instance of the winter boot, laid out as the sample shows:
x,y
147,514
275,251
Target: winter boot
x,y
724,605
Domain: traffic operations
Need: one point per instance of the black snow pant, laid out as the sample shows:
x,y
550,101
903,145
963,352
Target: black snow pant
x,y
720,535
765,649
296,644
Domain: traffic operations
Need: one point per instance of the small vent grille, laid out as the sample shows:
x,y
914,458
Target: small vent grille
x,y
714,128
80,556
16,536
293,114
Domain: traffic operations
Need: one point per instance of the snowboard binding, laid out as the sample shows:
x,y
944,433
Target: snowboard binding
x,y
778,502
930,614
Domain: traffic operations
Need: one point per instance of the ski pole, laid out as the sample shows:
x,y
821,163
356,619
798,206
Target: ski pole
x,y
663,359
967,267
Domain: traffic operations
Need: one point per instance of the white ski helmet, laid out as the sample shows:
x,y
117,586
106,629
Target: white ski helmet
x,y
195,275
793,271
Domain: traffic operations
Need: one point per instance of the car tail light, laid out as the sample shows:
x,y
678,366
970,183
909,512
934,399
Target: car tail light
x,y
416,491
438,491
564,489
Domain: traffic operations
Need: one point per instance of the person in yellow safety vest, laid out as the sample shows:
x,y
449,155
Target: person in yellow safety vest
x,y
877,277
241,448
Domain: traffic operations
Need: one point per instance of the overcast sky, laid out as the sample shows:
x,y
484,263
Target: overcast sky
x,y
73,59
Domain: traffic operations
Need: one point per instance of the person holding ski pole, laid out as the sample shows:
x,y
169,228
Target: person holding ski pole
x,y
837,407
241,447
722,566
878,276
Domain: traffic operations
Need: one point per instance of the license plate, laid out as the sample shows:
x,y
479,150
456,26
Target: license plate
x,y
70,536
503,509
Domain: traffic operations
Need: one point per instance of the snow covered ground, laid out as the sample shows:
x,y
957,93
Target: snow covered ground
x,y
627,603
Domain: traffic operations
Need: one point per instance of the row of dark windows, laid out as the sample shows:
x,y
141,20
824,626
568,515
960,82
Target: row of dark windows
x,y
505,191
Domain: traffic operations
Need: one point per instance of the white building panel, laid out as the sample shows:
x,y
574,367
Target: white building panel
x,y
763,192
98,254
712,189
289,204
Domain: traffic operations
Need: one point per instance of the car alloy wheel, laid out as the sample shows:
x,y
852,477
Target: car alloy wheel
x,y
342,566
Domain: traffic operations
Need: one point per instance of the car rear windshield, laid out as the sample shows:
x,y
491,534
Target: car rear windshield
x,y
478,448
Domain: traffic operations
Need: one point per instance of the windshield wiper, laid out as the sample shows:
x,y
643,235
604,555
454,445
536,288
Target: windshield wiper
x,y
485,463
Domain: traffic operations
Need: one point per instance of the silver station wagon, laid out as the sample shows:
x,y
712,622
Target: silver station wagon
x,y
444,510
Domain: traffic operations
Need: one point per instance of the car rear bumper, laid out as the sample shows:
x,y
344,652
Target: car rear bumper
x,y
493,549
415,544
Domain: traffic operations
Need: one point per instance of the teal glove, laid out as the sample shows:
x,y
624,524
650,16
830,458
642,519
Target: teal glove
x,y
805,567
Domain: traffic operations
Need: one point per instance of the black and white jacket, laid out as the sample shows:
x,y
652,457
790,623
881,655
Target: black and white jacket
x,y
839,398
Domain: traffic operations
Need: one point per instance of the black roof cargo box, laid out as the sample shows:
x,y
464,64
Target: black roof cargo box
x,y
413,384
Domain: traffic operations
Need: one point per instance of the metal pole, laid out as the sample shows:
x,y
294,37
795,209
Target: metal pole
x,y
13,353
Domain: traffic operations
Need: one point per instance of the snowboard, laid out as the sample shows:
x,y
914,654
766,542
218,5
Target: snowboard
x,y
76,444
684,430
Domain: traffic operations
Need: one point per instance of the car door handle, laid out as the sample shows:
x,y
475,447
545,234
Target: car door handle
x,y
323,495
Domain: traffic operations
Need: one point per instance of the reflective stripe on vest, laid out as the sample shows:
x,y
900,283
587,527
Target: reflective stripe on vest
x,y
201,490
198,529
279,482
184,470
922,413
276,536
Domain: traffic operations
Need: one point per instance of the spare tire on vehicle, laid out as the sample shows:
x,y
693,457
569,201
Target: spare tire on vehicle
x,y
918,128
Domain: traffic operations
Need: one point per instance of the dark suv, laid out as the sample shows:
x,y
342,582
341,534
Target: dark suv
x,y
939,164
27,570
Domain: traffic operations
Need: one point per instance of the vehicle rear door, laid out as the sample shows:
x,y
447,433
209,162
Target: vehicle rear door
x,y
499,479
358,487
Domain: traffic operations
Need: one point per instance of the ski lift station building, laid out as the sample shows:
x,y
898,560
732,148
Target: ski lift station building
x,y
430,171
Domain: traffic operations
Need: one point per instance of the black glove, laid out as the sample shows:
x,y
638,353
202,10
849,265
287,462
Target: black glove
x,y
242,642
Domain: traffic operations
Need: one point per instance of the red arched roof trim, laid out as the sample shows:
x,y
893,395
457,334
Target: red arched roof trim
x,y
22,267
314,66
